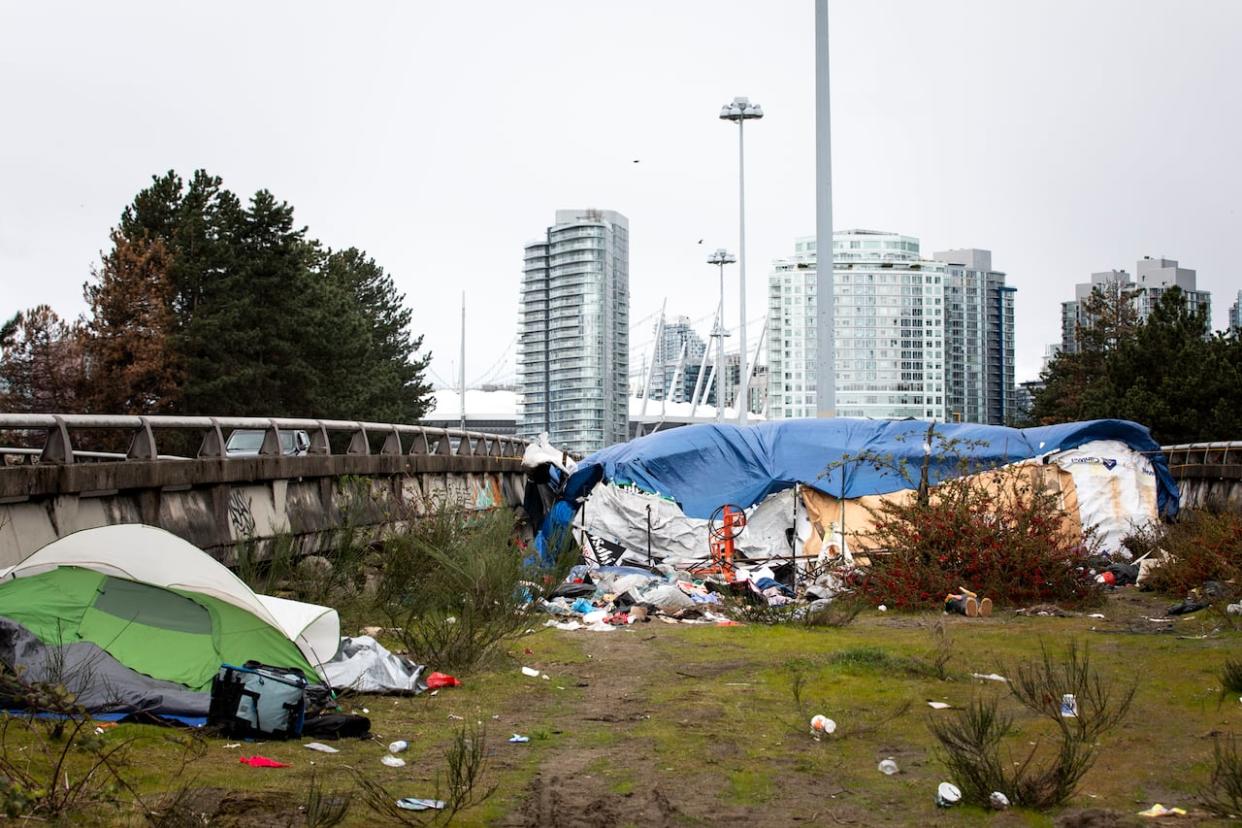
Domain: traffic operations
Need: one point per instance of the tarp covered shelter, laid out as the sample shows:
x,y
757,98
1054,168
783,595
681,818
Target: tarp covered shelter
x,y
703,466
1111,474
160,606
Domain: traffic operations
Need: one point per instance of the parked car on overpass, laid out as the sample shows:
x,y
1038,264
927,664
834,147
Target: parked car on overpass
x,y
246,442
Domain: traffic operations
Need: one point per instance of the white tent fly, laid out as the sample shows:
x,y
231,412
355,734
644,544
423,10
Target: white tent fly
x,y
157,557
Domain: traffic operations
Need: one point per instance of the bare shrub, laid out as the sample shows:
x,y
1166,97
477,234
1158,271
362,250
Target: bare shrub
x,y
1203,545
1223,796
971,740
457,585
935,662
323,808
459,784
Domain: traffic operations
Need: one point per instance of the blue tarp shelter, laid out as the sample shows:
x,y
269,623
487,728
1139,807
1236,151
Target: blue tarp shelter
x,y
704,466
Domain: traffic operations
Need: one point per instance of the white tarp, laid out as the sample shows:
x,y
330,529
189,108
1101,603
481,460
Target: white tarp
x,y
541,451
1116,488
619,514
366,666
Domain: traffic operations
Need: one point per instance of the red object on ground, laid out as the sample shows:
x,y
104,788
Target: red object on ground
x,y
728,622
261,762
437,680
618,619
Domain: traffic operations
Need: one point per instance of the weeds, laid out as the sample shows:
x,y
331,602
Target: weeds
x,y
465,763
457,586
1203,545
839,612
1231,677
1223,796
936,661
970,741
324,809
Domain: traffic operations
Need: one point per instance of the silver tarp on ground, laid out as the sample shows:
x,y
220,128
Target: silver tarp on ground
x,y
366,666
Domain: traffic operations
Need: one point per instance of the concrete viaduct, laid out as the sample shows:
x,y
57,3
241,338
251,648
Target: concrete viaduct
x,y
378,474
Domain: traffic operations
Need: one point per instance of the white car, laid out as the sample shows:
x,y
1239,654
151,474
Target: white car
x,y
246,442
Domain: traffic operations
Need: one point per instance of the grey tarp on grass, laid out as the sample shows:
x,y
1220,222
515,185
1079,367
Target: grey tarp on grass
x,y
101,683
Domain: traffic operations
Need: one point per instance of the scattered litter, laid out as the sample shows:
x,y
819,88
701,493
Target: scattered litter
x,y
823,724
939,705
989,676
437,680
998,801
1069,706
1098,615
947,795
261,762
433,693
366,710
888,767
1159,810
1234,609
392,761
321,747
530,671
545,677
517,739
600,626
99,731
882,608
398,746
412,804
233,745
457,718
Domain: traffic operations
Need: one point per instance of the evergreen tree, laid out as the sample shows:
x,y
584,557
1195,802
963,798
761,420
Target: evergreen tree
x,y
132,365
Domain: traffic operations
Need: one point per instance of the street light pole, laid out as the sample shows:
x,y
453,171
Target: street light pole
x,y
720,257
740,111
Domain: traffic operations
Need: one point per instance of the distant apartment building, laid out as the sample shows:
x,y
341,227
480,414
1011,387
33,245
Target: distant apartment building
x,y
1154,278
914,337
573,332
979,339
678,356
1235,314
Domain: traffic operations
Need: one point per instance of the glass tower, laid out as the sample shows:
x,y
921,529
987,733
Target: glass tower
x,y
914,337
573,332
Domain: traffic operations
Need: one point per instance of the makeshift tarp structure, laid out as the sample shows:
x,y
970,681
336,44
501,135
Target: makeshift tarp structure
x,y
1118,475
149,610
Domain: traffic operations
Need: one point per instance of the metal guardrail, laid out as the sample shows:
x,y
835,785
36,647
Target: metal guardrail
x,y
394,438
1204,454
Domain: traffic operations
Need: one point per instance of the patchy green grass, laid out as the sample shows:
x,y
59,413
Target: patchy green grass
x,y
698,724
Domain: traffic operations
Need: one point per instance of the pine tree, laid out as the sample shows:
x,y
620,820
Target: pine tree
x,y
132,365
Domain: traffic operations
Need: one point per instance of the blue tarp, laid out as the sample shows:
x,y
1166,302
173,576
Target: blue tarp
x,y
705,466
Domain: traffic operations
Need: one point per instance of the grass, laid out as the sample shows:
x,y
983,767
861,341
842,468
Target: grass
x,y
693,721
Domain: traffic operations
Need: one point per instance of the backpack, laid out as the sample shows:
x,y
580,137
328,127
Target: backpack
x,y
257,701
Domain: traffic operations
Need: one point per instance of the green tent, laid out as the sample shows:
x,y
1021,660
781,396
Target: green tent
x,y
170,634
153,602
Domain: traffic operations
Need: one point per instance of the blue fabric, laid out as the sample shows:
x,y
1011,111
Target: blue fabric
x,y
705,466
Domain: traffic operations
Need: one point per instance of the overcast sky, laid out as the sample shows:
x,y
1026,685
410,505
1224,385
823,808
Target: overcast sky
x,y
1066,137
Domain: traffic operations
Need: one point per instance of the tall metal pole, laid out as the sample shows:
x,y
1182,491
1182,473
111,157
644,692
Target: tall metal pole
x,y
825,369
742,408
720,364
462,375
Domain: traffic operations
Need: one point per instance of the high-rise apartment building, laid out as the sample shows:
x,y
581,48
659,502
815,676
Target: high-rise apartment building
x,y
1154,278
573,332
678,355
904,344
1235,314
979,331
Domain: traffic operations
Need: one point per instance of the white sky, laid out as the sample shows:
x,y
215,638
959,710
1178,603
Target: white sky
x,y
1066,137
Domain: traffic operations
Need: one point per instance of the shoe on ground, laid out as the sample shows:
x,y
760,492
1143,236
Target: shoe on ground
x,y
985,607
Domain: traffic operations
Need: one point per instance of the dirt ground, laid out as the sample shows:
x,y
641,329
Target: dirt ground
x,y
660,724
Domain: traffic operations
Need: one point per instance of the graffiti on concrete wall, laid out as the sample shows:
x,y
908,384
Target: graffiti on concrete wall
x,y
240,516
